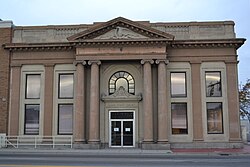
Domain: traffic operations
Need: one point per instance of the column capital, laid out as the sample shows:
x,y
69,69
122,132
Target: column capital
x,y
195,61
83,62
16,65
147,60
231,62
90,62
158,61
49,64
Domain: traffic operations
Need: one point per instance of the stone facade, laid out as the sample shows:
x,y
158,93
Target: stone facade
x,y
125,76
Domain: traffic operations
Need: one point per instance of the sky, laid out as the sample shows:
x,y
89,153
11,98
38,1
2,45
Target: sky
x,y
61,12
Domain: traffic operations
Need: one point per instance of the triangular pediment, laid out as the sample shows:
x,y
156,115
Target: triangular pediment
x,y
122,29
121,33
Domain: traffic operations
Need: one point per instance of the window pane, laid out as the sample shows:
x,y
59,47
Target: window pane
x,y
122,115
33,86
213,84
179,118
122,82
178,84
214,118
119,79
31,126
66,87
65,119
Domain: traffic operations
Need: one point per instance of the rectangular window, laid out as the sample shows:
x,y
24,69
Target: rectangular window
x,y
213,84
31,125
66,87
65,119
179,118
214,118
178,84
33,86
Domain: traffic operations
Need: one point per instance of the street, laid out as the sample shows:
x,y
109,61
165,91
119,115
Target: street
x,y
21,159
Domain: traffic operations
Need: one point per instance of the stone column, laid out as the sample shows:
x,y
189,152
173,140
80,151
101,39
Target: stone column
x,y
14,101
162,101
79,116
48,99
196,101
94,121
147,101
233,101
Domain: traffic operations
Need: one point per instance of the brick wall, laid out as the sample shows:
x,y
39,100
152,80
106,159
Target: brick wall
x,y
5,37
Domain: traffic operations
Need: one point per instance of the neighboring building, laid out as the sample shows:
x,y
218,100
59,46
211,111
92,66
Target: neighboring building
x,y
245,129
122,83
5,37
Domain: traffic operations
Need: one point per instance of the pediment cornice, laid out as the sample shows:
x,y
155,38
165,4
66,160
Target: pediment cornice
x,y
120,28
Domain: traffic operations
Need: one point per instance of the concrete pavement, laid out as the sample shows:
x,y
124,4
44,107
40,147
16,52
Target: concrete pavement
x,y
226,151
216,151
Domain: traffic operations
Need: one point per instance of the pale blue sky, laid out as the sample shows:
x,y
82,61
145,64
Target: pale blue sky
x,y
54,12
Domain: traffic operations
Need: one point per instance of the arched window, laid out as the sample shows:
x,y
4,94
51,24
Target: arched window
x,y
124,79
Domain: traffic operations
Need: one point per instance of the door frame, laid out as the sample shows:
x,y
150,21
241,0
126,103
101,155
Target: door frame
x,y
122,120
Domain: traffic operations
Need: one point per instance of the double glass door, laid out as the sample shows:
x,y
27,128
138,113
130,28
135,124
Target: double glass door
x,y
121,129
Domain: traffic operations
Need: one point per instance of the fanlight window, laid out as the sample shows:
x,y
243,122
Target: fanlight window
x,y
123,79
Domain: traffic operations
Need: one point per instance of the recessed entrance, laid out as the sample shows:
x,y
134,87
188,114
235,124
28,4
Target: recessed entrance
x,y
121,129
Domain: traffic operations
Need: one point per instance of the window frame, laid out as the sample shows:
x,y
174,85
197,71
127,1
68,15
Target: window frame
x,y
215,67
30,70
117,78
62,69
180,67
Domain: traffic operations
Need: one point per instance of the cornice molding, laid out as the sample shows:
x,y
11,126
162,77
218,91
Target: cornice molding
x,y
38,47
225,43
115,42
69,46
88,43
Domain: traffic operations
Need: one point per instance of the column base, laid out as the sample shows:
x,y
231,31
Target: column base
x,y
80,141
94,144
86,146
162,141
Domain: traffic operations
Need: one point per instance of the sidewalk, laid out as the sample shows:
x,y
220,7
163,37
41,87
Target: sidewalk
x,y
227,151
216,151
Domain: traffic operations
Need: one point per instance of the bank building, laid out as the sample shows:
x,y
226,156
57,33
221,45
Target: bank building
x,y
122,83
